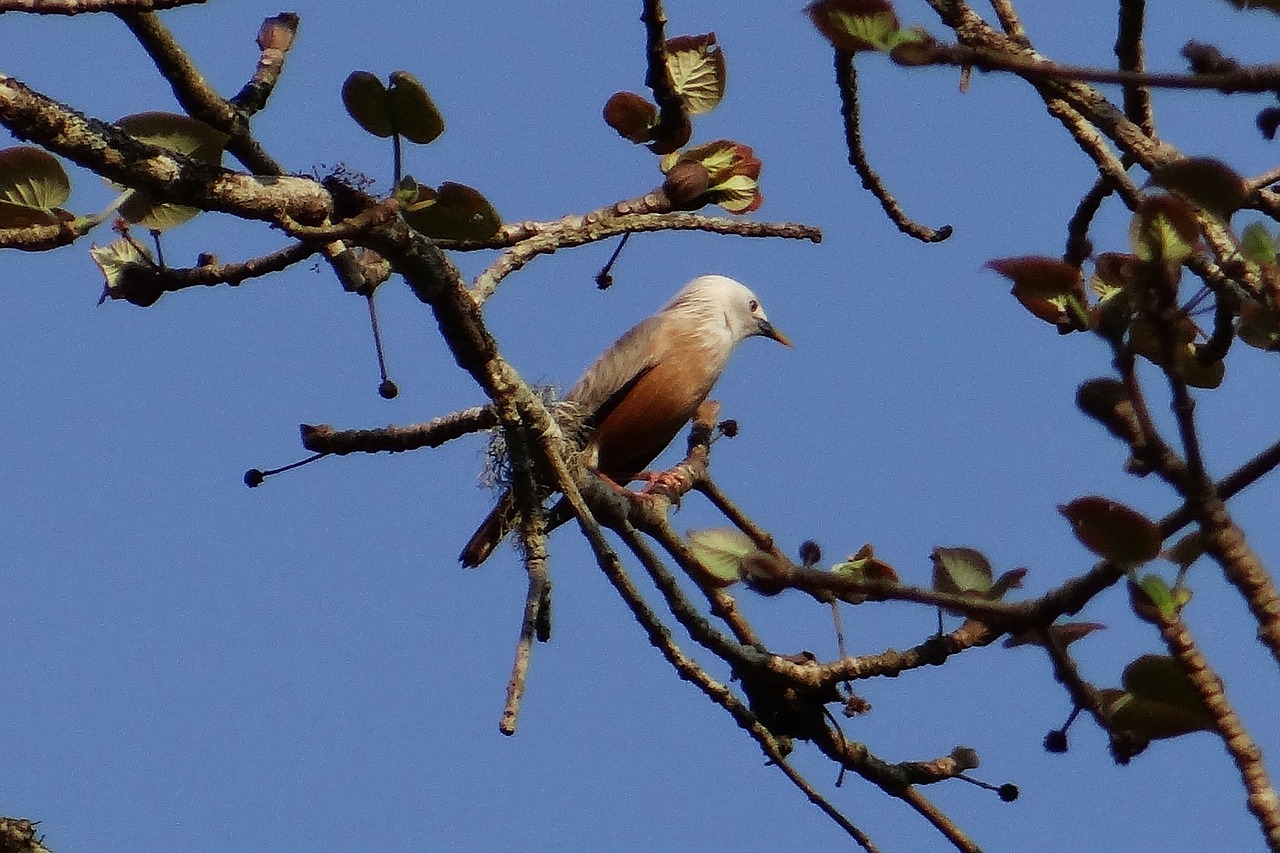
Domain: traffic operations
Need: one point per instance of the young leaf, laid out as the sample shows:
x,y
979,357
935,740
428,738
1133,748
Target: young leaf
x,y
129,272
367,101
961,571
1112,530
1186,365
1051,289
1164,228
1206,183
1257,244
414,113
696,67
33,178
855,25
733,173
721,552
631,115
864,566
452,212
1154,601
1158,700
1065,633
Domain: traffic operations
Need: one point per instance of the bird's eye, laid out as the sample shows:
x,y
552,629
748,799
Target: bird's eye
x,y
755,306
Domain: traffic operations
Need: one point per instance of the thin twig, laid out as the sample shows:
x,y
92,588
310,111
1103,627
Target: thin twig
x,y
1129,53
527,240
197,97
847,83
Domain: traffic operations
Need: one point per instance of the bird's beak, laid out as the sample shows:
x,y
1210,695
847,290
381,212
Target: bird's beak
x,y
767,329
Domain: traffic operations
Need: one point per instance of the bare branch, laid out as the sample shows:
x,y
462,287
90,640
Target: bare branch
x,y
80,7
847,82
527,240
194,93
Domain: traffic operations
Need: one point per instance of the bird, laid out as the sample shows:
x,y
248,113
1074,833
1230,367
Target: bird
x,y
641,391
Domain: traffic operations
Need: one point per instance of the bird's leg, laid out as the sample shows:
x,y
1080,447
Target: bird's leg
x,y
610,482
672,483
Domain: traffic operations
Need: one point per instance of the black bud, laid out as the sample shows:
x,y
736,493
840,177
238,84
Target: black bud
x,y
810,553
387,389
254,478
1008,792
1055,741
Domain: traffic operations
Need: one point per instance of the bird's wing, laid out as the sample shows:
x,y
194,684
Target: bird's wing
x,y
606,382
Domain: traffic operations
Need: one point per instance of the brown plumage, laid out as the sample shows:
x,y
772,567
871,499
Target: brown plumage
x,y
643,389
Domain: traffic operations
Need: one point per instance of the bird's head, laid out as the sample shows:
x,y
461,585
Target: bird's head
x,y
719,299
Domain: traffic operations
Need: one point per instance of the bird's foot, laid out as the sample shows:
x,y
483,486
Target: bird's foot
x,y
672,483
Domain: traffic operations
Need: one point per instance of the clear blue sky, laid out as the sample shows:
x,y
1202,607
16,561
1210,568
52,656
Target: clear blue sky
x,y
192,665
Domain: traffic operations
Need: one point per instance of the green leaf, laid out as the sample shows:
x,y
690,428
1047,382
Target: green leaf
x,y
721,552
21,216
697,70
1257,244
179,133
856,25
33,178
1164,228
414,113
1259,326
405,108
452,212
129,271
962,571
1158,700
1112,530
366,100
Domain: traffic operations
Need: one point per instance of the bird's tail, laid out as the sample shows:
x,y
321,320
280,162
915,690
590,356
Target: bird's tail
x,y
489,534
499,522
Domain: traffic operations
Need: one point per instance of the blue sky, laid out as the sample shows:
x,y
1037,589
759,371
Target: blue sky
x,y
192,664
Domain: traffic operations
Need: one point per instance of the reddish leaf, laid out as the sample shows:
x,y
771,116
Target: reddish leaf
x,y
631,115
1205,182
861,567
1112,530
1065,633
733,173
1051,289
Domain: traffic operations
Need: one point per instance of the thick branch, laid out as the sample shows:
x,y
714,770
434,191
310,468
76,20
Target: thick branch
x,y
164,174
